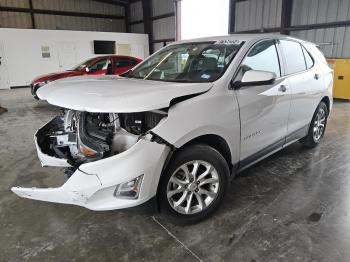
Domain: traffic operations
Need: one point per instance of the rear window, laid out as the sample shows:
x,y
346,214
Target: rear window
x,y
294,56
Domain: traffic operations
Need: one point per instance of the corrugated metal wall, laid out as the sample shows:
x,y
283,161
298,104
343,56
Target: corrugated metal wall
x,y
319,11
137,28
257,14
136,12
15,20
79,23
23,20
333,41
163,28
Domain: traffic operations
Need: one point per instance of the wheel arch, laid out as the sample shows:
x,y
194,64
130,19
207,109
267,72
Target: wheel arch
x,y
327,101
215,141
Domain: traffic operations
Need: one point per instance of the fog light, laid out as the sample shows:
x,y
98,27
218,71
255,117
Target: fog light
x,y
130,189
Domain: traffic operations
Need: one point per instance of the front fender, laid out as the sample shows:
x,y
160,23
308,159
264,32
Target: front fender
x,y
212,113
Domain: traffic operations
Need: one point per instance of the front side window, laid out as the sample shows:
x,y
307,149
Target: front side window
x,y
99,65
83,65
263,56
293,53
188,62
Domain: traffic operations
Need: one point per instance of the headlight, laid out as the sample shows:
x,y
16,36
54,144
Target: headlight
x,y
130,189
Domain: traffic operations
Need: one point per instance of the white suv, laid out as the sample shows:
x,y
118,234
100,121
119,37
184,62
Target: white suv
x,y
177,128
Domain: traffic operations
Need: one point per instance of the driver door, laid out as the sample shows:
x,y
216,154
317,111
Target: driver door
x,y
264,109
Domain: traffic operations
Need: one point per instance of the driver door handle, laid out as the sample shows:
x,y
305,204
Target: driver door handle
x,y
282,88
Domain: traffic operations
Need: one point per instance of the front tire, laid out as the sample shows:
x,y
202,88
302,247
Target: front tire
x,y
317,127
194,184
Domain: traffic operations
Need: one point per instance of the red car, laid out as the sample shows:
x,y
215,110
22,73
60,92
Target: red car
x,y
102,65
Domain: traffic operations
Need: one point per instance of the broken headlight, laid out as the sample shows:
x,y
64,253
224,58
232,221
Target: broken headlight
x,y
130,189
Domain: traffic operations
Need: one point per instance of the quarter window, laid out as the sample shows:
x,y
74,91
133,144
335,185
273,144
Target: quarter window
x,y
294,56
308,59
262,57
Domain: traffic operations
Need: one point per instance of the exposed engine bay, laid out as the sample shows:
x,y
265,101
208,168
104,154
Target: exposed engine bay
x,y
82,137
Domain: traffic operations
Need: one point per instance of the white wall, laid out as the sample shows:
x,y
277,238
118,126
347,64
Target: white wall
x,y
202,18
22,50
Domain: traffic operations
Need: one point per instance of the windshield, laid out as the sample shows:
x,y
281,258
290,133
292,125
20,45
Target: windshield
x,y
188,62
82,65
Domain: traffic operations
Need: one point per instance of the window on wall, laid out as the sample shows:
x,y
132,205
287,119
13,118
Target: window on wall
x,y
45,52
210,18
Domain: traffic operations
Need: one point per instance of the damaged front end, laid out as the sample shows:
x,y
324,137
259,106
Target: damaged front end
x,y
112,160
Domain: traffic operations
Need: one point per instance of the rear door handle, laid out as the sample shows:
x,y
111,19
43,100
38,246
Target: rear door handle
x,y
282,88
317,76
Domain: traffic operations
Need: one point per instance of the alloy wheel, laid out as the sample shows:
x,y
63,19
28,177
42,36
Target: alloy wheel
x,y
319,124
193,187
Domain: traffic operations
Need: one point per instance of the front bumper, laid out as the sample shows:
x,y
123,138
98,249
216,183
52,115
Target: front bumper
x,y
33,89
92,185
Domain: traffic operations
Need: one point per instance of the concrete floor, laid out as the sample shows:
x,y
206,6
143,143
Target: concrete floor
x,y
293,206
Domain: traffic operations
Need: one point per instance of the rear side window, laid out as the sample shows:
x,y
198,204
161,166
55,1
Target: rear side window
x,y
294,56
308,59
263,56
123,62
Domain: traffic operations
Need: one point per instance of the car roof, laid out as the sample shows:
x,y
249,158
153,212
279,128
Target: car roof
x,y
116,56
240,37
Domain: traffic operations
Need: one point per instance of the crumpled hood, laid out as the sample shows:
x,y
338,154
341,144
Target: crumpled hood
x,y
106,94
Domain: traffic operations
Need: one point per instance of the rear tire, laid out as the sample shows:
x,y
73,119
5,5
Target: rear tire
x,y
317,127
194,184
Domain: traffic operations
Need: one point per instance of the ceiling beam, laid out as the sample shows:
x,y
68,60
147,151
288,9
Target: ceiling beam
x,y
136,22
299,27
232,16
319,26
147,22
55,12
127,18
111,2
164,40
157,17
286,16
153,18
32,18
256,31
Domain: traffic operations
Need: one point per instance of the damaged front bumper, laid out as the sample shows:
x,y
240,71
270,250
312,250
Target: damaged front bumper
x,y
93,184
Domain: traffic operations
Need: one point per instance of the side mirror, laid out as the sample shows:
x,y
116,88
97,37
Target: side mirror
x,y
255,78
87,70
